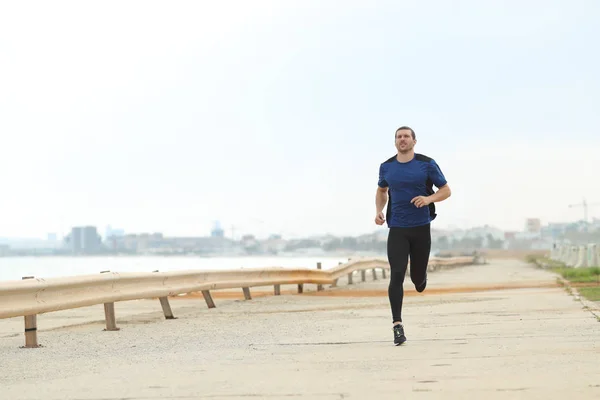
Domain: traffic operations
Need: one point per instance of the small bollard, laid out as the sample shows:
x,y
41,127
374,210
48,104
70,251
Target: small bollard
x,y
383,273
350,278
31,341
277,290
363,274
300,288
374,274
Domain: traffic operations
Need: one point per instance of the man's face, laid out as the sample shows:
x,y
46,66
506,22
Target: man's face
x,y
404,141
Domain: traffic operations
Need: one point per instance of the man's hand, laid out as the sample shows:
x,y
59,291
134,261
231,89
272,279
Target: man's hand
x,y
421,201
380,218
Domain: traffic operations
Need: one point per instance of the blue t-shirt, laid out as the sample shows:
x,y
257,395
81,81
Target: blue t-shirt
x,y
406,181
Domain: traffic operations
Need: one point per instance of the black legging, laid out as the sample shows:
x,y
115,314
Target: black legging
x,y
402,243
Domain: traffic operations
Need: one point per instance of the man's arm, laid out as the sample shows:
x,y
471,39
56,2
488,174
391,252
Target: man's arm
x,y
381,199
442,194
439,180
381,196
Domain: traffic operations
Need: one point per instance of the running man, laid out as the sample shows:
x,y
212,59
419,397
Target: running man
x,y
408,179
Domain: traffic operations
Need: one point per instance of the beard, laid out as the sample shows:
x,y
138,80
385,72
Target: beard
x,y
405,150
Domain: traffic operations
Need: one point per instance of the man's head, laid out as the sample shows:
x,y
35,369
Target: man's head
x,y
405,139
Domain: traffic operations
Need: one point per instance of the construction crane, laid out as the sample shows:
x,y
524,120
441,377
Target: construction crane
x,y
585,206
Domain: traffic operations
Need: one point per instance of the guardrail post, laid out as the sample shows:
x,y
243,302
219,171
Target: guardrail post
x,y
31,341
319,287
208,298
350,278
363,274
247,293
334,284
109,314
166,307
300,288
164,302
277,290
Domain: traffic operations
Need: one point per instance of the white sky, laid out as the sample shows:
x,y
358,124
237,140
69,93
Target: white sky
x,y
274,116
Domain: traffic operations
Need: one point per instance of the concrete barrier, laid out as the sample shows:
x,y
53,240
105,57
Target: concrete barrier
x,y
592,255
564,256
571,259
581,257
577,256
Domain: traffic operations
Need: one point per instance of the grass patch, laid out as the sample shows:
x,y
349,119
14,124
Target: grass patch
x,y
579,275
590,293
543,261
531,258
573,275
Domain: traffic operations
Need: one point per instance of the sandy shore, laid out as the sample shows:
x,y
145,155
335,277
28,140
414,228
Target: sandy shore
x,y
503,330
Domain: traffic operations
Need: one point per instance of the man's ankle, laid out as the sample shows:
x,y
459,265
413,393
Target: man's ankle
x,y
397,323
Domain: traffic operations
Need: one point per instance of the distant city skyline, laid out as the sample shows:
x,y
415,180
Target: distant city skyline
x,y
530,224
275,118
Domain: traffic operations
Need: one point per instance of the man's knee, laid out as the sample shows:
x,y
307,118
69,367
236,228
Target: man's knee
x,y
396,279
419,280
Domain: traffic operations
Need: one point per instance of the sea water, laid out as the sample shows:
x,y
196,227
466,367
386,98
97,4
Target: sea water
x,y
14,268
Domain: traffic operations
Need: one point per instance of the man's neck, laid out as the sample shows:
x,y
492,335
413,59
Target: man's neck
x,y
405,157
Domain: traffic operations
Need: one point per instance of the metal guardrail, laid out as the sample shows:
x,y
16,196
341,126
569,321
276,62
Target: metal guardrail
x,y
32,296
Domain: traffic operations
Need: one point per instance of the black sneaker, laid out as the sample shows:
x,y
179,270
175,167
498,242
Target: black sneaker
x,y
399,337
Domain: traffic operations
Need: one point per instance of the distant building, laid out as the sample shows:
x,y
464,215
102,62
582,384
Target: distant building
x,y
217,231
84,240
74,239
510,235
533,225
110,232
274,244
136,242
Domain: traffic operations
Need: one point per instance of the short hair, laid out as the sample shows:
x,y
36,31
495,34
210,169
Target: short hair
x,y
407,128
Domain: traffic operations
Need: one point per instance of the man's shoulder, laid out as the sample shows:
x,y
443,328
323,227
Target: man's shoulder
x,y
418,157
389,160
423,158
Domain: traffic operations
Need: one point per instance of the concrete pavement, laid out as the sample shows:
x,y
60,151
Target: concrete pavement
x,y
500,331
